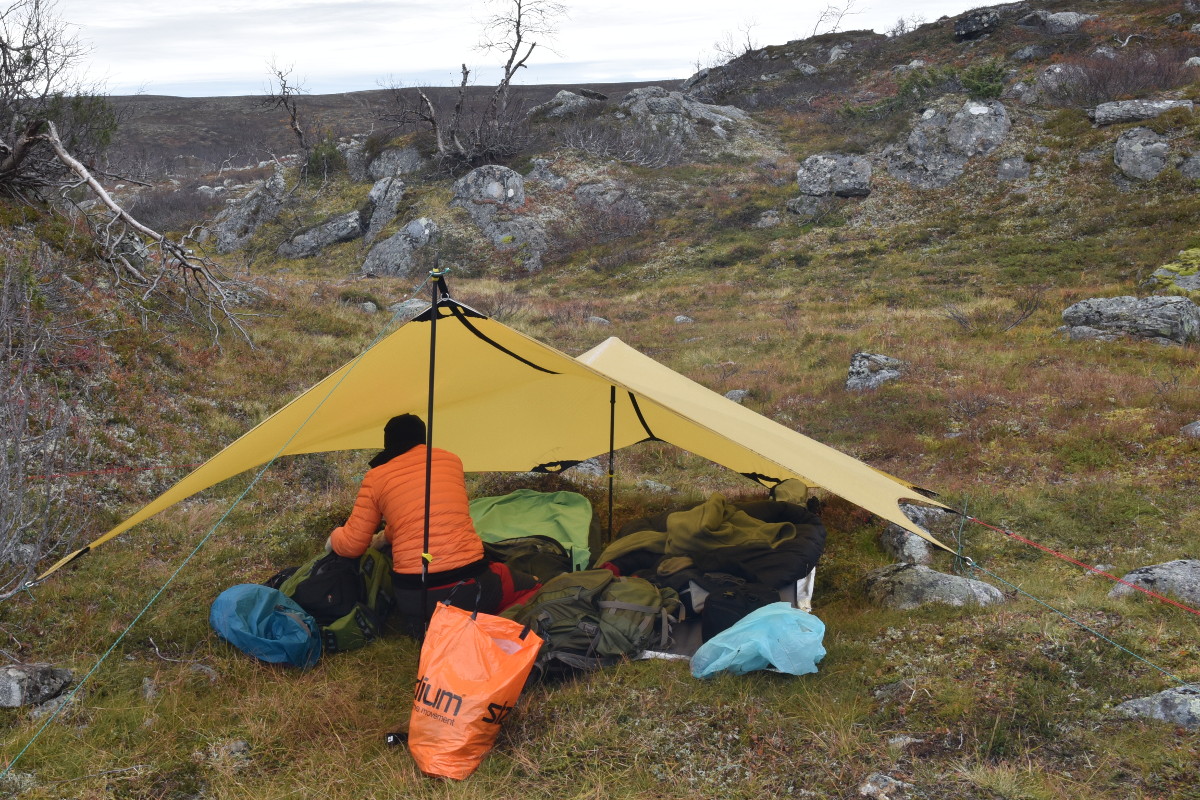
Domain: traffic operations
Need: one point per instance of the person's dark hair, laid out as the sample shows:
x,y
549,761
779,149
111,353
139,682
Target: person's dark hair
x,y
401,434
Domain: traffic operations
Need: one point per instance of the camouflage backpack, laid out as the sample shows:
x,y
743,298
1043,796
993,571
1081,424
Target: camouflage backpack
x,y
592,619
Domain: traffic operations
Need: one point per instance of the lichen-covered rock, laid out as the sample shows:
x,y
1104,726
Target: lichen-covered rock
x,y
620,207
342,228
1180,276
240,220
1015,168
486,190
677,114
1167,320
382,203
541,172
494,197
395,161
1032,52
836,174
1180,578
872,370
976,24
31,684
398,254
1056,24
1141,153
908,586
1190,168
1135,110
810,207
1178,706
567,104
884,787
909,548
354,152
1191,430
939,147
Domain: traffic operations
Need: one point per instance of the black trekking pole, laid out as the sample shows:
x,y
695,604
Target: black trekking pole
x,y
439,288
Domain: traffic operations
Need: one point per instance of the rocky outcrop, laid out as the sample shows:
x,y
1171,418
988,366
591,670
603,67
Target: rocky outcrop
x,y
234,226
1135,110
1056,24
908,586
489,190
309,242
835,174
810,207
354,153
382,204
569,104
621,209
494,196
1167,320
871,370
909,548
399,254
395,161
939,147
541,172
1141,153
31,684
976,24
1179,578
1190,168
677,114
1181,276
1178,706
1013,169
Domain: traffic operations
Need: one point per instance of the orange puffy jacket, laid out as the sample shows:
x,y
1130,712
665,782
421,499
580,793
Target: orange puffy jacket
x,y
395,491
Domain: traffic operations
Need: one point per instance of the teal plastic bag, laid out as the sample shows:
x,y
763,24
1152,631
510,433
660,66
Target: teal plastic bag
x,y
267,624
776,636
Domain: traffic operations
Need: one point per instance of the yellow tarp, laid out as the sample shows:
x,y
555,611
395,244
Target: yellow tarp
x,y
505,402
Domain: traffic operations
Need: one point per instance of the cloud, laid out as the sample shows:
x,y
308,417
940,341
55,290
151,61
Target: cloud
x,y
223,46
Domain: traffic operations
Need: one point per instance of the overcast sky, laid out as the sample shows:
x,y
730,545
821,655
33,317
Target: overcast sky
x,y
202,48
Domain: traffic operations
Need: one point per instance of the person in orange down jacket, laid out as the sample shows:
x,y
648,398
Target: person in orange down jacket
x,y
393,491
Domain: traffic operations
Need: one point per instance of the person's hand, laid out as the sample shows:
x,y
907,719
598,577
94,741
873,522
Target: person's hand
x,y
329,544
379,541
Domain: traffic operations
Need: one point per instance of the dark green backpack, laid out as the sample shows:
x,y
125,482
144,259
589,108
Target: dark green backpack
x,y
350,598
540,556
592,619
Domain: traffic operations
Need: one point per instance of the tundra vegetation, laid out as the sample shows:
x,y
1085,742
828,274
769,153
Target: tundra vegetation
x,y
1077,445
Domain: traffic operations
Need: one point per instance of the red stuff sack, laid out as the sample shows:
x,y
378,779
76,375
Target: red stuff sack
x,y
472,670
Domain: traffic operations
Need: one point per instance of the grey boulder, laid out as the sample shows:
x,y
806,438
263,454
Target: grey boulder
x,y
31,684
397,254
1141,153
342,228
871,370
908,586
1167,320
1178,706
1180,578
395,161
241,218
1135,110
836,174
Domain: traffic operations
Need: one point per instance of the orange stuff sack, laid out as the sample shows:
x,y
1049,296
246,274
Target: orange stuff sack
x,y
473,667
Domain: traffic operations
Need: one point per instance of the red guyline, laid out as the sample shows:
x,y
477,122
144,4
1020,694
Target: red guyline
x,y
1057,554
109,471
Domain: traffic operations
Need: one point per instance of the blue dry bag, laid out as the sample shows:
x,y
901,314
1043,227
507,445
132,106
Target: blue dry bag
x,y
775,636
267,624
